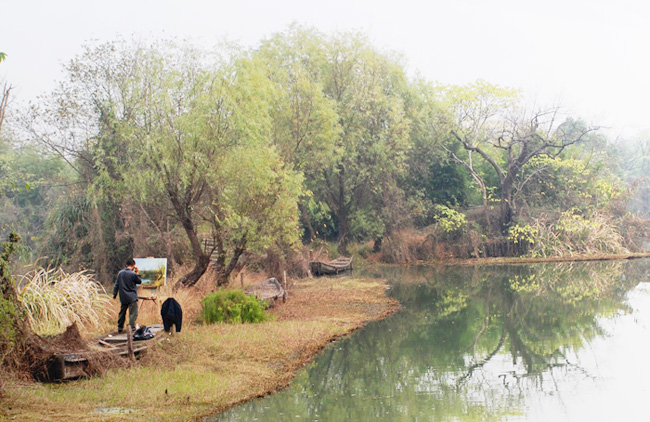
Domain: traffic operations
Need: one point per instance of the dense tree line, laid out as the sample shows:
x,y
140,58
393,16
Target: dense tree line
x,y
150,149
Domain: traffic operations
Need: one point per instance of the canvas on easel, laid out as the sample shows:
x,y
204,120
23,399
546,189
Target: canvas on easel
x,y
153,272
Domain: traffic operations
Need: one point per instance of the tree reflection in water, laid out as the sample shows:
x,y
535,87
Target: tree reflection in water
x,y
471,343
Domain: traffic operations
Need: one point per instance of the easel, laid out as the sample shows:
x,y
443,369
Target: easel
x,y
153,297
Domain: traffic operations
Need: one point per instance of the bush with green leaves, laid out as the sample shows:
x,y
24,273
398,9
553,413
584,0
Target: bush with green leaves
x,y
453,223
232,306
522,234
8,333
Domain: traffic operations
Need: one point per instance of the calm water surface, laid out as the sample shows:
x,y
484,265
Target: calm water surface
x,y
551,342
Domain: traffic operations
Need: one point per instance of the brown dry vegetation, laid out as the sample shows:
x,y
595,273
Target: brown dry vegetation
x,y
206,369
570,238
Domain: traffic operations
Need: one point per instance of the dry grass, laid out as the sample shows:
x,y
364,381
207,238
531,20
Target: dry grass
x,y
55,300
205,369
572,234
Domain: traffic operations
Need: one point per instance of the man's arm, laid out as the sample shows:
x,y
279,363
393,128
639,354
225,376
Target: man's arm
x,y
115,288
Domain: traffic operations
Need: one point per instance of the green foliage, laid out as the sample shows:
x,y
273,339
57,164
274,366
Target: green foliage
x,y
522,234
68,240
451,222
8,316
168,141
566,182
171,130
28,187
12,329
362,100
365,224
232,306
320,217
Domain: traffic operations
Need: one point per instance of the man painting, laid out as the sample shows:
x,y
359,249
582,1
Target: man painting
x,y
127,285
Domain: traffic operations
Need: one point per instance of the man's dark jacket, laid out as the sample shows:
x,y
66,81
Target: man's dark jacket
x,y
127,285
172,314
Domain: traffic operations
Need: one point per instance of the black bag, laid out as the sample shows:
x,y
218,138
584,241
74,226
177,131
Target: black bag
x,y
142,333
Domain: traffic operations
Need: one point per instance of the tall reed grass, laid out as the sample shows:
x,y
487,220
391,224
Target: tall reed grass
x,y
572,234
55,299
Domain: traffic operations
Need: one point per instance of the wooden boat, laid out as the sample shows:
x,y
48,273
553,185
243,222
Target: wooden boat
x,y
66,366
270,290
334,267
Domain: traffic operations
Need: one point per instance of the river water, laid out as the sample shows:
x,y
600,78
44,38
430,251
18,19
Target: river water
x,y
544,342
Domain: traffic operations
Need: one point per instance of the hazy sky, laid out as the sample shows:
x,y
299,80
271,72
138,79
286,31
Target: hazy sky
x,y
591,56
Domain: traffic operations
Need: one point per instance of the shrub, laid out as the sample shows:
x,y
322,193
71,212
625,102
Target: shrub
x,y
8,333
452,222
522,234
232,306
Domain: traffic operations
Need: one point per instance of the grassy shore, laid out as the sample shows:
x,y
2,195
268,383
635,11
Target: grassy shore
x,y
206,369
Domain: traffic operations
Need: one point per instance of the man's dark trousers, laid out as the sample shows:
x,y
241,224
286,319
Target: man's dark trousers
x,y
133,315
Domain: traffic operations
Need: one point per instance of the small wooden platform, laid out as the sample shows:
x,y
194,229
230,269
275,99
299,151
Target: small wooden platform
x,y
334,267
119,339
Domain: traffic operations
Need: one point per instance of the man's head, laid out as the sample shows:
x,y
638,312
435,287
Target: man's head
x,y
130,263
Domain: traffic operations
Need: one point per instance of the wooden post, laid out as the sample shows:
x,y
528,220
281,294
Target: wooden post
x,y
129,343
311,255
284,279
241,278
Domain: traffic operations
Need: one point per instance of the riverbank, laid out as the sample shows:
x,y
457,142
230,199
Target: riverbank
x,y
206,369
529,260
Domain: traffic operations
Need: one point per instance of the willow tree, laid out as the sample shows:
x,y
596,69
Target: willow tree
x,y
201,138
305,122
369,90
340,118
188,130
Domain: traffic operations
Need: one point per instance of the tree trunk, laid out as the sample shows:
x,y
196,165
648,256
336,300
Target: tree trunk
x,y
223,274
486,208
202,260
507,206
377,244
200,267
169,247
343,214
306,219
